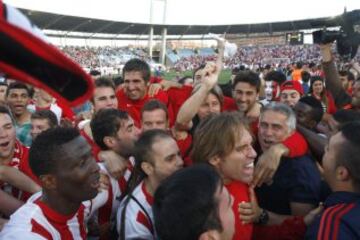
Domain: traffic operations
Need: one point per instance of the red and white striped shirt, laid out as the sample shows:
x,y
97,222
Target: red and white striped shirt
x,y
137,223
35,220
116,190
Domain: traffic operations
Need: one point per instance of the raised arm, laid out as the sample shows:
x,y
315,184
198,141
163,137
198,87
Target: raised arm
x,y
332,80
18,179
209,77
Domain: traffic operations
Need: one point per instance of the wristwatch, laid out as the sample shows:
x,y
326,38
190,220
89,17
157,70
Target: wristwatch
x,y
263,218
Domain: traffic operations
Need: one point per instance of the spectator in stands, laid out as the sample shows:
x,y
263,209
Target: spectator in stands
x,y
18,97
42,120
340,220
204,209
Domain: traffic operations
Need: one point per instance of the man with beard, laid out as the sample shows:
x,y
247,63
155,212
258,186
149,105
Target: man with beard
x,y
157,156
114,130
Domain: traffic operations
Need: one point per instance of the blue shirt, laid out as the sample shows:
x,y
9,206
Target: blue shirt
x,y
296,180
339,220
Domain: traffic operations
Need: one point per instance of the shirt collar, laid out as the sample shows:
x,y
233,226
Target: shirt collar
x,y
341,197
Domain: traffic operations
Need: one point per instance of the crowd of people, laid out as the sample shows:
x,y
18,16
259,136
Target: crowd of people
x,y
276,157
251,56
96,57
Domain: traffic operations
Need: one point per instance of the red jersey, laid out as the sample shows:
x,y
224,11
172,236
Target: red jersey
x,y
240,192
177,97
229,105
184,147
133,107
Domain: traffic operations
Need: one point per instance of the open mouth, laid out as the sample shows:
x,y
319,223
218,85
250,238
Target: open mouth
x,y
250,165
268,142
5,144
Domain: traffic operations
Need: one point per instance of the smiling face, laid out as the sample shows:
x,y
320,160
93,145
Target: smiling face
x,y
318,87
245,96
239,163
104,97
7,138
134,85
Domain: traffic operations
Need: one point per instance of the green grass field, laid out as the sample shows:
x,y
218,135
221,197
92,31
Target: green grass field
x,y
224,75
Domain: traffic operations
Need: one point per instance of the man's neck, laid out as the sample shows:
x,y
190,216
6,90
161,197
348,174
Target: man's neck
x,y
344,187
23,118
150,186
6,161
60,204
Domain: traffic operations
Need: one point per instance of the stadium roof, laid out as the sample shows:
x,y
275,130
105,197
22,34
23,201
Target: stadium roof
x,y
59,22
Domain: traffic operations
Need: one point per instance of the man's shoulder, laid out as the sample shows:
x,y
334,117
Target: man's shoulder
x,y
23,218
342,221
161,95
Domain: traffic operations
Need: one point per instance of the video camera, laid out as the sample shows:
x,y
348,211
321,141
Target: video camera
x,y
347,40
